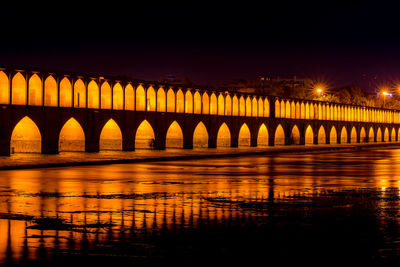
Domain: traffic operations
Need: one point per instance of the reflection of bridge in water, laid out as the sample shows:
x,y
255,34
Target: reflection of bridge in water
x,y
51,112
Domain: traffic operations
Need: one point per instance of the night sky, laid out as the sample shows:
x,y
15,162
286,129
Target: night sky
x,y
342,42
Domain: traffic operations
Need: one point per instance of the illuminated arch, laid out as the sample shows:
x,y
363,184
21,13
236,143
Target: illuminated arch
x,y
129,97
221,104
244,135
79,94
292,110
71,137
151,99
140,98
105,92
248,106
371,135
111,136
343,135
288,109
385,135
307,111
161,100
242,106
228,105
170,100
180,101
297,111
26,137
262,137
65,93
379,136
35,96
277,109
309,136
144,138
279,135
266,107
363,135
353,135
188,102
302,111
174,138
393,135
235,106
50,92
118,97
213,104
200,136
206,103
283,109
197,102
333,136
4,89
93,95
254,107
223,136
260,112
18,90
295,136
312,111
321,135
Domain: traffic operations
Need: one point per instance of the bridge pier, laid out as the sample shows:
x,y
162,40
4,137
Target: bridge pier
x,y
4,147
92,145
49,147
128,144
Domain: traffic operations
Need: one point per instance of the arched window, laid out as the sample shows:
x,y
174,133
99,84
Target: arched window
x,y
140,98
50,92
129,97
161,100
180,102
65,93
221,104
213,104
171,100
18,90
35,97
105,90
235,106
118,97
4,89
188,102
151,99
206,103
79,94
197,102
93,95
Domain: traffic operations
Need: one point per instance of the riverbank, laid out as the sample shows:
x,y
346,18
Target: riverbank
x,y
28,161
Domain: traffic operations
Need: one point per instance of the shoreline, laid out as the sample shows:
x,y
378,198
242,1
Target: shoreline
x,y
174,155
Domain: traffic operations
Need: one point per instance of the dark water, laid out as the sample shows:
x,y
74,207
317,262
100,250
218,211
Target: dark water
x,y
315,209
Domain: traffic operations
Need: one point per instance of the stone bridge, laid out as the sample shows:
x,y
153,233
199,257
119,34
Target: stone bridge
x,y
49,112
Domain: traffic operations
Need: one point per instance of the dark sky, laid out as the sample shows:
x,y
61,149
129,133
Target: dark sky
x,y
341,41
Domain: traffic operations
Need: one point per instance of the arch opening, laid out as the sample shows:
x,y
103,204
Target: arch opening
x,y
309,136
353,135
343,136
363,135
333,136
223,136
144,138
244,135
262,137
321,135
111,136
26,137
295,136
174,138
279,135
200,136
71,137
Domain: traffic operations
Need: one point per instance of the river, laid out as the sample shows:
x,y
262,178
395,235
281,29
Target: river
x,y
313,208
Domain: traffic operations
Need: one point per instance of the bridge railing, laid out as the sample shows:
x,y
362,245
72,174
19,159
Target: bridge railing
x,y
23,87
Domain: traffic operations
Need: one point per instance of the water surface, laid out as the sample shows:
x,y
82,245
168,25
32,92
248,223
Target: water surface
x,y
313,208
